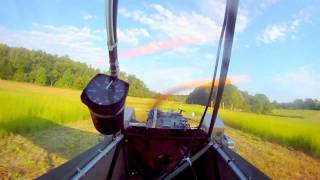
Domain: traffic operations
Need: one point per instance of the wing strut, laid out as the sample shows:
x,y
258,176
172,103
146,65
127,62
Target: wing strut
x,y
111,27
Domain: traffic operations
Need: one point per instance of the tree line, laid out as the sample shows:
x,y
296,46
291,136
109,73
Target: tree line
x,y
39,67
233,99
307,103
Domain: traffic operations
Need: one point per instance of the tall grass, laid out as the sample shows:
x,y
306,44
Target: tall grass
x,y
23,110
298,133
310,115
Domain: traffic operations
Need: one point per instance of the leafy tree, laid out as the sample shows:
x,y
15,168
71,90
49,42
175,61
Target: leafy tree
x,y
264,103
41,76
45,69
80,82
233,99
307,103
53,77
199,95
19,75
66,79
6,71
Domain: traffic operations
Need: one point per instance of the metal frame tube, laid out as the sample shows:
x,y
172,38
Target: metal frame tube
x,y
98,157
111,28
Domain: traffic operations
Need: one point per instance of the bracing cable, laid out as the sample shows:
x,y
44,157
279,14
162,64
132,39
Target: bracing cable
x,y
229,34
215,68
226,36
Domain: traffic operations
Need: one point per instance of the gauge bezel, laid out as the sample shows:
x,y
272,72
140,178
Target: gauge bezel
x,y
110,109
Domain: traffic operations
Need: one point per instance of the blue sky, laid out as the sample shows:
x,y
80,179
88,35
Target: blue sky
x,y
166,43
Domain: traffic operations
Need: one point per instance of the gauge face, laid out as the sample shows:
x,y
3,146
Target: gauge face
x,y
103,90
105,97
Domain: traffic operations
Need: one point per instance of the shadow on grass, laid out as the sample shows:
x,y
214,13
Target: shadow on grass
x,y
52,137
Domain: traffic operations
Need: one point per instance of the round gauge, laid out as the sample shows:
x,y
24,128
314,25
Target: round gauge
x,y
105,97
103,90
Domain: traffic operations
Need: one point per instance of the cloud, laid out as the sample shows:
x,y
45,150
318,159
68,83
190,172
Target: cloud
x,y
266,3
89,17
275,33
160,79
242,21
185,26
132,36
281,32
305,15
183,52
83,44
209,56
181,80
272,34
78,43
302,82
155,47
215,11
176,29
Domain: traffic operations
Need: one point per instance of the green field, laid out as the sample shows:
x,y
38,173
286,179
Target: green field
x,y
298,133
27,108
